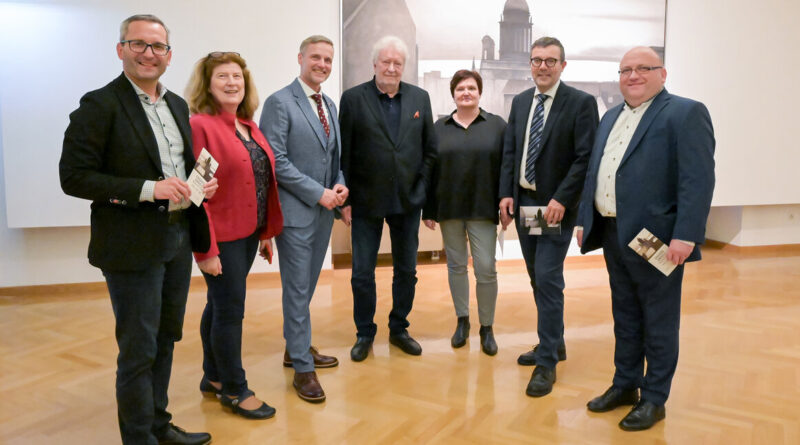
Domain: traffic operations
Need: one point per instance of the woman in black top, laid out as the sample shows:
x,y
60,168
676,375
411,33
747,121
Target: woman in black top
x,y
463,199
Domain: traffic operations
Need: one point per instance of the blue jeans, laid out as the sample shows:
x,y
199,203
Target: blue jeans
x,y
221,324
148,307
366,238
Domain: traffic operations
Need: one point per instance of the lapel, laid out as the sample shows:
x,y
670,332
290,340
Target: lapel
x,y
560,98
374,106
311,115
185,129
137,117
406,113
334,118
603,131
526,99
661,100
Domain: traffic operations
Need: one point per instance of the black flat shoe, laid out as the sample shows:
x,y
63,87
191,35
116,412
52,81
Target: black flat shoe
x,y
643,416
178,436
488,345
541,382
360,349
208,389
529,358
461,335
262,412
406,343
613,398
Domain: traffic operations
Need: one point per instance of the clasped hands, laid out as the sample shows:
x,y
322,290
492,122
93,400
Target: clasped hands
x,y
177,190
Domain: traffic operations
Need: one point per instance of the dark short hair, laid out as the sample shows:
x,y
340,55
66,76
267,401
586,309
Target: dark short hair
x,y
200,98
123,27
460,75
543,42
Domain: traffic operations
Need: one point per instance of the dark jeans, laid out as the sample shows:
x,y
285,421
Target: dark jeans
x,y
646,306
148,307
544,258
221,324
366,236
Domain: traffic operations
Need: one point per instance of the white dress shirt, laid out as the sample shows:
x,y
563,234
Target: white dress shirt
x,y
310,92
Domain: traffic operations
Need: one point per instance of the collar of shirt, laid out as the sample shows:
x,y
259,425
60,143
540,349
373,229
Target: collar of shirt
x,y
382,94
160,89
307,89
643,106
449,120
551,93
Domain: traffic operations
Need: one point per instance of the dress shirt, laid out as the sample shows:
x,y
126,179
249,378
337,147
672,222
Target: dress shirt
x,y
310,92
168,138
551,95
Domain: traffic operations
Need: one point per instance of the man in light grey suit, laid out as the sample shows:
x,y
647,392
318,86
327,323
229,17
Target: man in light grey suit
x,y
302,128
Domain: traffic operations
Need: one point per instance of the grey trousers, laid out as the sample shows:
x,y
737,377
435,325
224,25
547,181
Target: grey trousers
x,y
482,236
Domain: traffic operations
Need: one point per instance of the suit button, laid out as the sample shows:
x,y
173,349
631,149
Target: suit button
x,y
161,208
124,202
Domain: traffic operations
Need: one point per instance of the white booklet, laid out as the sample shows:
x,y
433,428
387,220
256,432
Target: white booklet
x,y
203,172
653,250
532,217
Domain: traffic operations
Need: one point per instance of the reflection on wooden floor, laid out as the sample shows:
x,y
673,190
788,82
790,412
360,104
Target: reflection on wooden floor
x,y
738,379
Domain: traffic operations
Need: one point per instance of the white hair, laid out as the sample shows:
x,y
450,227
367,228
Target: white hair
x,y
386,42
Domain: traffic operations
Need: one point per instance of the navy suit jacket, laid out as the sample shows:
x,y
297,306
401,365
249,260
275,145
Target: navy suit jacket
x,y
665,180
109,151
566,144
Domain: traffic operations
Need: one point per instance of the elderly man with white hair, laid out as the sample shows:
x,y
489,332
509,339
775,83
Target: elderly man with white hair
x,y
388,154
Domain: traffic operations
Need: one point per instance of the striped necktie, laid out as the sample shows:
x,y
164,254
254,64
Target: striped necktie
x,y
535,139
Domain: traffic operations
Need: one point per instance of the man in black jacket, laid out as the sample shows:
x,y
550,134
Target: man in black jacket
x,y
545,154
388,153
128,148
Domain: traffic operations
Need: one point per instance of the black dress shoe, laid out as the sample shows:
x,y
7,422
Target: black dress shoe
x,y
179,436
541,382
529,358
462,333
644,415
262,412
488,345
612,398
208,389
406,343
360,349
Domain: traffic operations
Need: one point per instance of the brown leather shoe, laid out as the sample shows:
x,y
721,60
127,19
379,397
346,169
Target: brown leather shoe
x,y
308,387
320,361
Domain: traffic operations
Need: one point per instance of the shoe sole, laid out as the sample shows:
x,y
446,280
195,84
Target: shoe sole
x,y
310,399
624,428
332,365
458,345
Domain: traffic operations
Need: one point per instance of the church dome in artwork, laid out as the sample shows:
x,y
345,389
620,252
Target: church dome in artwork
x,y
516,5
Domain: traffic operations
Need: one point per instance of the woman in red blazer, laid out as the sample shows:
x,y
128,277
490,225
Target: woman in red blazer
x,y
244,215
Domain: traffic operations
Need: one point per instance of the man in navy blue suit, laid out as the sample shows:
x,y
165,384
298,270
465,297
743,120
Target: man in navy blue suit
x,y
652,167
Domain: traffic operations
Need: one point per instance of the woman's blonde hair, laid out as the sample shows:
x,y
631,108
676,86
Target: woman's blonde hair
x,y
199,96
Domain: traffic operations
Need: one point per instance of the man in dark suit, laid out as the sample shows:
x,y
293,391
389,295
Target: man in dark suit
x,y
652,167
388,153
300,124
128,148
547,143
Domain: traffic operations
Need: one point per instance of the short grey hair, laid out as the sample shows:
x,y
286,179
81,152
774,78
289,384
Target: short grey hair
x,y
386,42
543,42
123,27
316,38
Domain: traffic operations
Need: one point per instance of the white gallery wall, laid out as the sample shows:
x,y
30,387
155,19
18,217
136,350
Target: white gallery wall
x,y
738,56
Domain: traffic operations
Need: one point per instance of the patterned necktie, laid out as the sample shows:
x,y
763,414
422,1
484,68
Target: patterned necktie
x,y
535,139
318,99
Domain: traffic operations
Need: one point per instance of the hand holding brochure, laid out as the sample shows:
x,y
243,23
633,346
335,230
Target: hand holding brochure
x,y
653,250
203,172
532,217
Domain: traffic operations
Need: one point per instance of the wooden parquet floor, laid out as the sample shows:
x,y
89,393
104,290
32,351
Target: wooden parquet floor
x,y
738,379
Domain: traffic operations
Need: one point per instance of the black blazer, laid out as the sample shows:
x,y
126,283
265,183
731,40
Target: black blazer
x,y
372,162
109,151
566,145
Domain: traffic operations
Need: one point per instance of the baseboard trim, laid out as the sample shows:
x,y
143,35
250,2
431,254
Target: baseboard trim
x,y
772,248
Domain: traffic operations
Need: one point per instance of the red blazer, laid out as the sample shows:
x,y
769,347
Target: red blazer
x,y
232,211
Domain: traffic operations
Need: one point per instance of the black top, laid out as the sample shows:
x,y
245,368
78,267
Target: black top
x,y
391,110
261,171
467,174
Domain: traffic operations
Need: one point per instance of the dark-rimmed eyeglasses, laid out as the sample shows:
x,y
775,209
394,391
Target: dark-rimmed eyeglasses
x,y
217,54
639,70
140,46
550,61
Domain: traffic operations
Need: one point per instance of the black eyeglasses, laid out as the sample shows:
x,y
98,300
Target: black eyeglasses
x,y
639,70
217,54
550,62
140,46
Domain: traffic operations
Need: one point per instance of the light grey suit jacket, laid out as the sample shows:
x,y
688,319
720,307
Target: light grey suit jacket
x,y
298,140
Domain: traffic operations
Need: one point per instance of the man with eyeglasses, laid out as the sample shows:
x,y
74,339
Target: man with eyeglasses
x,y
128,148
547,143
652,167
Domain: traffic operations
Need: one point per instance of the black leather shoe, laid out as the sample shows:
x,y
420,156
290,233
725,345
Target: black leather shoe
x,y
179,436
208,389
541,382
406,343
488,345
644,415
529,358
360,349
462,333
262,412
612,398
